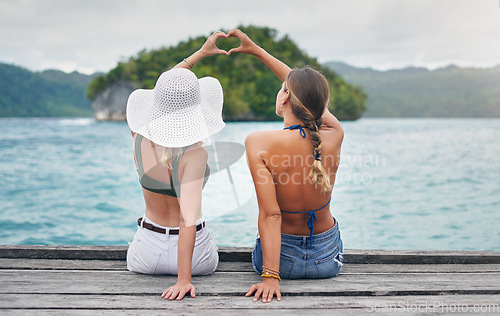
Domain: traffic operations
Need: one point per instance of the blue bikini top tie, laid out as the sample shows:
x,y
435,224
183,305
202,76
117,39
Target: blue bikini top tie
x,y
310,218
302,132
317,156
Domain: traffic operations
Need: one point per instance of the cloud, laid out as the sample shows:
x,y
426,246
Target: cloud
x,y
95,34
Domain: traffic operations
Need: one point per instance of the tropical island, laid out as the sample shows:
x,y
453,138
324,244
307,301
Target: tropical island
x,y
249,86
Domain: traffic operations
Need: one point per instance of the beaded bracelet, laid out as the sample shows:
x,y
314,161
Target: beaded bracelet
x,y
269,275
188,62
272,270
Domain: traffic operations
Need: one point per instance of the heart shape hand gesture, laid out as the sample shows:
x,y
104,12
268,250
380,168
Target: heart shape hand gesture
x,y
210,48
246,44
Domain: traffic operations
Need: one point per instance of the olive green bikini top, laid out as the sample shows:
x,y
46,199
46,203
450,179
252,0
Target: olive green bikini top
x,y
157,186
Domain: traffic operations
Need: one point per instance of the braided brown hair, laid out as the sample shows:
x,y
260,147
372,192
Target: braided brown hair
x,y
309,96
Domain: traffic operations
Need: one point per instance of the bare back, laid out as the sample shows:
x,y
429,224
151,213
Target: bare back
x,y
161,207
287,157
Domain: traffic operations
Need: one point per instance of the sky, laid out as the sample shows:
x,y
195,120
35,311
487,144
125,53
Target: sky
x,y
93,35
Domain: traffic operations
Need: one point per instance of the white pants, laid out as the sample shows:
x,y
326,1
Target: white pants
x,y
155,253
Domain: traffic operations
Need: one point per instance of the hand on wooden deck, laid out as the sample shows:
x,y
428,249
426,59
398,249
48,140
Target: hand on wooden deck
x,y
268,288
179,290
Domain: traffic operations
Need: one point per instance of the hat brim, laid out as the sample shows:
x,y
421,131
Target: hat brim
x,y
181,127
212,99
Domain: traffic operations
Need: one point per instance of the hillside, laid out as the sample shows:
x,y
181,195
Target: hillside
x,y
249,86
419,92
24,93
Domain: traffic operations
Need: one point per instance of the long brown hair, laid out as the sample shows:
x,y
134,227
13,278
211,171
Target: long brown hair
x,y
309,95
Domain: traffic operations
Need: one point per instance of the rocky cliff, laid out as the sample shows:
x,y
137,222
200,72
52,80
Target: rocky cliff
x,y
110,104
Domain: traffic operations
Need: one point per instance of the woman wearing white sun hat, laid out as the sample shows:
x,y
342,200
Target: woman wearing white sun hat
x,y
168,124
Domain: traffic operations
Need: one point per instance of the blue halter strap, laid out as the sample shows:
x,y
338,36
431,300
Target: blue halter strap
x,y
310,218
317,156
302,132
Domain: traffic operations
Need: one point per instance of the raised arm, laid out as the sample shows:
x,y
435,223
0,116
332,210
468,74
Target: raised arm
x,y
247,46
330,121
208,49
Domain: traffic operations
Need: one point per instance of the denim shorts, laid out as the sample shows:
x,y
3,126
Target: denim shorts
x,y
155,253
298,260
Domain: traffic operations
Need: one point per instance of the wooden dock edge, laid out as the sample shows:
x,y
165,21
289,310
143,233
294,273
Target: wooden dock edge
x,y
243,254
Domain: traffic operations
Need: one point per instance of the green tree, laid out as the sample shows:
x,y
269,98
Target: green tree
x,y
43,94
249,86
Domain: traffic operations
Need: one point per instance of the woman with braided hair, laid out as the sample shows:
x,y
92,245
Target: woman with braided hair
x,y
293,172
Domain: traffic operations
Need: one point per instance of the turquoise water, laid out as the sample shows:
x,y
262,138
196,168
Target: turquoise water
x,y
402,184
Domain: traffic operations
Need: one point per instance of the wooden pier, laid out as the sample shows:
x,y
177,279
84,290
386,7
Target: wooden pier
x,y
93,280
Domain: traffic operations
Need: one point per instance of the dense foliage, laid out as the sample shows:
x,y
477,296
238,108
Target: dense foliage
x,y
249,86
42,94
418,92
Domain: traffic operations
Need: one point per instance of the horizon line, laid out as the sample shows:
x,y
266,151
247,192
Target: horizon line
x,y
359,66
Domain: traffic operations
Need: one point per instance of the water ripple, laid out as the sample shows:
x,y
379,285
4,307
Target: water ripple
x,y
402,184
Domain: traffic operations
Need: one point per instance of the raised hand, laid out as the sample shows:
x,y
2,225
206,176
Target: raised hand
x,y
209,48
247,46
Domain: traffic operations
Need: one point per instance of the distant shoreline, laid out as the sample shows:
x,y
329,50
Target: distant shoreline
x,y
263,121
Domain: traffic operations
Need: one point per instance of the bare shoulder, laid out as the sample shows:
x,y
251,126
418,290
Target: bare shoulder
x,y
196,153
261,140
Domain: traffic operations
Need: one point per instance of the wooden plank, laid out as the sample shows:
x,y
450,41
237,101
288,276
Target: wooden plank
x,y
317,304
112,265
83,252
228,266
227,283
58,264
244,254
421,257
233,266
418,268
90,252
162,312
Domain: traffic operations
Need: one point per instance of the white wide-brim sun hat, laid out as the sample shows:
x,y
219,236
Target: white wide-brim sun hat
x,y
181,109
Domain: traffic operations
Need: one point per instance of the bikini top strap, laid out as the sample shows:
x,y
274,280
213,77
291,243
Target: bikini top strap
x,y
329,200
138,152
174,174
302,132
311,210
311,217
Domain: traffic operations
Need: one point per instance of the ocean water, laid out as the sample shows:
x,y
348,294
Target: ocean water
x,y
402,184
